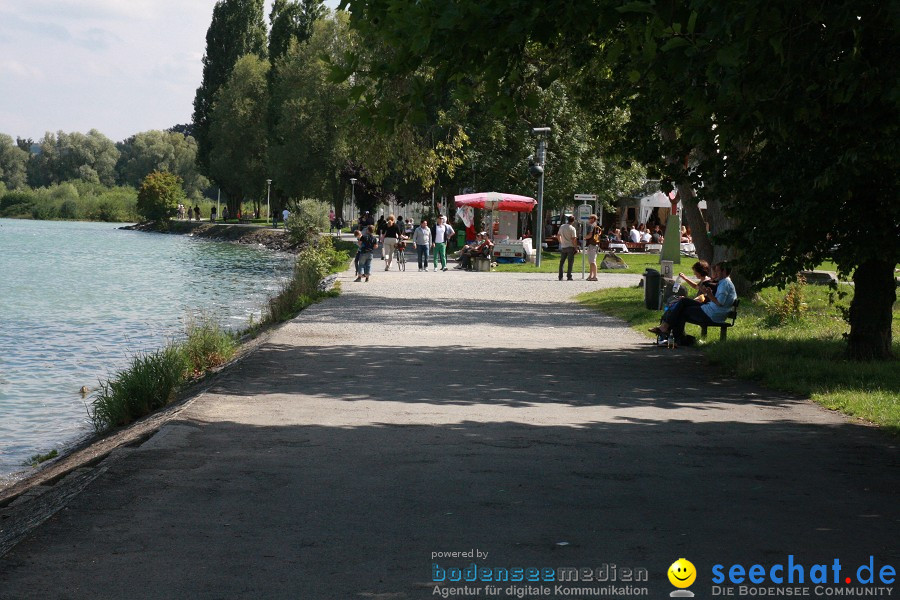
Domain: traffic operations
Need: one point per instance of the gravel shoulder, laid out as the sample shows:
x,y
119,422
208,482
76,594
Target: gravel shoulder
x,y
447,412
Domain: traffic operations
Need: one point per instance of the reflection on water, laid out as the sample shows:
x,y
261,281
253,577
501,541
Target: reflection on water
x,y
78,299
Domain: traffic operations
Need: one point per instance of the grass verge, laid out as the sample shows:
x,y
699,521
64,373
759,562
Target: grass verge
x,y
550,264
800,354
315,262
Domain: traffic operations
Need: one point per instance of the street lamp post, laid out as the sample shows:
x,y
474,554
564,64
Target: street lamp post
x,y
268,194
538,169
353,197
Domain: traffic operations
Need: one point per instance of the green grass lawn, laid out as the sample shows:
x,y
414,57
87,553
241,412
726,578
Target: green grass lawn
x,y
802,356
636,264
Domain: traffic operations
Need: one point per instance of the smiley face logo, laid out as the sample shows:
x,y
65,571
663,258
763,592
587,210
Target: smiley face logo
x,y
682,573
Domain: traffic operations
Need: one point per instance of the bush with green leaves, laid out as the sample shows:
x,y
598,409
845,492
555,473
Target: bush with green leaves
x,y
159,196
307,219
314,263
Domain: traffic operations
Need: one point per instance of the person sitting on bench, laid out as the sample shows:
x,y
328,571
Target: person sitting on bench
x,y
713,312
481,247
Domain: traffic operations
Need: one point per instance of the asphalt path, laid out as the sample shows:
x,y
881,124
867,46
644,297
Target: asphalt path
x,y
451,412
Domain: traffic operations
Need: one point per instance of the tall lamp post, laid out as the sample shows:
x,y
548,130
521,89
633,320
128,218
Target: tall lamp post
x,y
353,198
268,194
537,169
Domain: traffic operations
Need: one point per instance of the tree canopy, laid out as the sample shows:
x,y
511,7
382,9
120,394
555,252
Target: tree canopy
x,y
237,28
156,150
238,131
785,117
159,196
13,161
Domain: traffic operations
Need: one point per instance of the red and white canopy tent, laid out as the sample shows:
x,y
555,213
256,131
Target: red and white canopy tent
x,y
494,201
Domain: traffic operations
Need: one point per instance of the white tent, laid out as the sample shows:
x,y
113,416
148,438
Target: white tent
x,y
658,200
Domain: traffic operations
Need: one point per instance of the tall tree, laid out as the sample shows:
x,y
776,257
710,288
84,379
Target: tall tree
x,y
237,28
291,22
156,150
238,132
12,164
313,123
90,157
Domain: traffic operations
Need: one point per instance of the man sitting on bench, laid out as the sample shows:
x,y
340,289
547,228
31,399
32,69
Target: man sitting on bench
x,y
712,312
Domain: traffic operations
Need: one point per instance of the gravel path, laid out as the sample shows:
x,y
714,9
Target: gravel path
x,y
422,413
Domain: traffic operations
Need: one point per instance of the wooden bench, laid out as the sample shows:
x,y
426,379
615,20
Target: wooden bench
x,y
723,327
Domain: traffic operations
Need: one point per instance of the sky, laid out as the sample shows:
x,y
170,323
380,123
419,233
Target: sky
x,y
118,66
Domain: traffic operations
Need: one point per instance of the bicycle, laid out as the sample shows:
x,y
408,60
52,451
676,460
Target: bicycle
x,y
400,255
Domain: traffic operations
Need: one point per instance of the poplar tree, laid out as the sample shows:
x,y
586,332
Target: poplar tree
x,y
237,28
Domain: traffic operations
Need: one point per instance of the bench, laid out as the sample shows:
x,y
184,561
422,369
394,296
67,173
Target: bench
x,y
723,327
481,263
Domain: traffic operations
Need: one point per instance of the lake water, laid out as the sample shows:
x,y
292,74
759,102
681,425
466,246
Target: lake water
x,y
77,300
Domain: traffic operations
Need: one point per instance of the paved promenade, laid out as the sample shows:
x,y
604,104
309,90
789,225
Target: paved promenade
x,y
425,413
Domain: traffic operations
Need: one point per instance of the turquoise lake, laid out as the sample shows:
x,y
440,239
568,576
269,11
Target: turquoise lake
x,y
77,300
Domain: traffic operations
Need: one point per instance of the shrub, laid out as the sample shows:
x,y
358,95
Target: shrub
x,y
159,196
314,262
791,308
207,346
18,202
43,212
307,219
68,210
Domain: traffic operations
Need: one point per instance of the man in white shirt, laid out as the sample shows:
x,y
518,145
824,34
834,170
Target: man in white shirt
x,y
634,235
442,235
568,245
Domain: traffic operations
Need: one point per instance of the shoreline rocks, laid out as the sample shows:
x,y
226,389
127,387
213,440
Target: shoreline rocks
x,y
274,239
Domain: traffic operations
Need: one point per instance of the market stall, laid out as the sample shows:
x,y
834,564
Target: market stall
x,y
508,247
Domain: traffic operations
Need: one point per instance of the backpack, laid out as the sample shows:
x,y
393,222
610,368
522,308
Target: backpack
x,y
368,244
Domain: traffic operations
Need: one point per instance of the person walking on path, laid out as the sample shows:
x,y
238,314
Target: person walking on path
x,y
422,239
197,211
367,245
357,234
380,227
389,240
442,234
568,245
592,245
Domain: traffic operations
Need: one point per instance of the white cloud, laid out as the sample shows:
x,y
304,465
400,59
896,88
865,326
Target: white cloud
x,y
16,69
120,66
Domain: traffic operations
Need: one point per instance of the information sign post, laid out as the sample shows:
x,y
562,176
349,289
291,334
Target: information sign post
x,y
584,214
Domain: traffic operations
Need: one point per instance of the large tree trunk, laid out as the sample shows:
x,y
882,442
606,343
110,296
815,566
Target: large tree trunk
x,y
337,197
871,311
718,222
694,219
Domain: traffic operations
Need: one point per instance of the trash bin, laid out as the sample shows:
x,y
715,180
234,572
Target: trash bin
x,y
651,289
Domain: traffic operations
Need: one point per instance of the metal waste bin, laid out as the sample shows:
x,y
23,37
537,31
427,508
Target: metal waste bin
x,y
651,289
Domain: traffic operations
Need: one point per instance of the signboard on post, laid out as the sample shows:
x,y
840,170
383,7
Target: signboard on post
x,y
584,212
585,198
